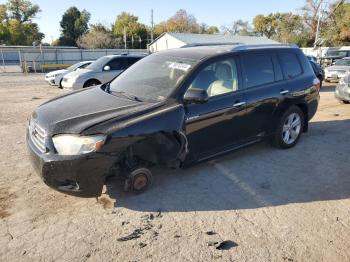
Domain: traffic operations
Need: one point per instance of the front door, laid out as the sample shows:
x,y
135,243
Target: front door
x,y
215,126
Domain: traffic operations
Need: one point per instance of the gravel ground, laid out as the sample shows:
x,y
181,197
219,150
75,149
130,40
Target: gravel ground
x,y
266,204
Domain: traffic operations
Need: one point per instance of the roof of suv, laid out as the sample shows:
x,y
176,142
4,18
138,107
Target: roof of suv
x,y
127,55
207,50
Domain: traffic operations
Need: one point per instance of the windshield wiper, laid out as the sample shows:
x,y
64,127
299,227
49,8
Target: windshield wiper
x,y
127,95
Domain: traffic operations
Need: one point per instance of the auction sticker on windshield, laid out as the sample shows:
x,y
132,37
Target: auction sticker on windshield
x,y
180,66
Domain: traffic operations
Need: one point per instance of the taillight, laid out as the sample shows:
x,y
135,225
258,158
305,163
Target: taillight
x,y
317,84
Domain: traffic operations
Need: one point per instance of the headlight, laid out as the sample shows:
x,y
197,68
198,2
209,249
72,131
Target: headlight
x,y
77,145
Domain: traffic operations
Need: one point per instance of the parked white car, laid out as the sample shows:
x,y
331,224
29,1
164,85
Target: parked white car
x,y
337,71
55,77
103,70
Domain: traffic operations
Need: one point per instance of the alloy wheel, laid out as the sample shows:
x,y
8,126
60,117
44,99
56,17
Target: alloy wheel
x,y
291,128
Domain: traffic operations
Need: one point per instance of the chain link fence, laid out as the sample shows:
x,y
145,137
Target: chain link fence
x,y
43,59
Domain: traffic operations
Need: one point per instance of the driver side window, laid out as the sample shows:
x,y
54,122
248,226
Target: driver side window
x,y
218,78
117,64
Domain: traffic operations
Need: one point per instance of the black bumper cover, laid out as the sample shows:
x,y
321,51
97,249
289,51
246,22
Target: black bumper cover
x,y
81,176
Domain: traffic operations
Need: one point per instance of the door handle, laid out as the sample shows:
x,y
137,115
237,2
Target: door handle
x,y
238,104
284,92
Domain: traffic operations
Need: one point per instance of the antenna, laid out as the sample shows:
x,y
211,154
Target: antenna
x,y
152,25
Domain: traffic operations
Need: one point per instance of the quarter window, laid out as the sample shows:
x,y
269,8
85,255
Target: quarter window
x,y
258,70
218,78
290,64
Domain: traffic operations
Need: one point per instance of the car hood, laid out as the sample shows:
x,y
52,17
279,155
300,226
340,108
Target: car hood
x,y
77,73
338,67
57,72
77,111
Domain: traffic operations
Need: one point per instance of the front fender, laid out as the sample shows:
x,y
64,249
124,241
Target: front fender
x,y
157,136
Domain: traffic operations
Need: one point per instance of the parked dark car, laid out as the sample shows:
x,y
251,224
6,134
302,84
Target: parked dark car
x,y
173,108
319,72
342,91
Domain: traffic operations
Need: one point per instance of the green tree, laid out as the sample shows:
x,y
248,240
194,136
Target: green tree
x,y
16,26
133,29
74,24
212,30
22,10
265,25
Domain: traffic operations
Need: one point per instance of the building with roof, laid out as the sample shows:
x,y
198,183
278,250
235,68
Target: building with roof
x,y
176,40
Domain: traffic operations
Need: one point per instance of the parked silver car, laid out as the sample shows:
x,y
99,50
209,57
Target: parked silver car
x,y
337,71
103,70
55,77
342,91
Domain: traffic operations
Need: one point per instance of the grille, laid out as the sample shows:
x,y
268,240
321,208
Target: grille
x,y
37,135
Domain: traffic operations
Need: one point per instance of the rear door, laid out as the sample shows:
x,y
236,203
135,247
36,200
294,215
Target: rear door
x,y
263,84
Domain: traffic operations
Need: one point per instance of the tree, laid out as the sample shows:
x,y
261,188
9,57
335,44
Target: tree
x,y
239,27
212,30
16,26
74,24
22,10
182,22
336,29
264,25
133,29
99,36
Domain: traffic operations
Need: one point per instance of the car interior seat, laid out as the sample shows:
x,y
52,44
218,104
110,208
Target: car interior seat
x,y
226,81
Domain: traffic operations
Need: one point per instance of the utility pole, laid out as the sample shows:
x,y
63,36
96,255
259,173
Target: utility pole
x,y
320,14
132,41
124,37
152,25
140,41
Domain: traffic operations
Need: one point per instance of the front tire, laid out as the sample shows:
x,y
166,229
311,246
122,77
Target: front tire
x,y
138,180
91,82
289,128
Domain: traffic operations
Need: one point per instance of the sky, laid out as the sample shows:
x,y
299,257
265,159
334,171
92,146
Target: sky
x,y
211,12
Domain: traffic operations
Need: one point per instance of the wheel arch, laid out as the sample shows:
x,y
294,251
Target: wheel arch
x,y
90,80
282,108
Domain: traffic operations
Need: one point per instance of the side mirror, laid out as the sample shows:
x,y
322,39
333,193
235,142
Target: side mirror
x,y
196,95
106,68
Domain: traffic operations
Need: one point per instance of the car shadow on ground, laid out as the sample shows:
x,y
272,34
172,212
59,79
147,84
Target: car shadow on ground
x,y
328,88
317,169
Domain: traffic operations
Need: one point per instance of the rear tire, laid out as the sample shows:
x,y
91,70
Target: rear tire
x,y
91,82
60,84
346,102
289,128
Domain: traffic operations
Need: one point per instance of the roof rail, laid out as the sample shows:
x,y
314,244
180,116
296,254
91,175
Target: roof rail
x,y
246,47
210,44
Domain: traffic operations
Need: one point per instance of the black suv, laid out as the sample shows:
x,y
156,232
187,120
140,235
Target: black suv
x,y
172,108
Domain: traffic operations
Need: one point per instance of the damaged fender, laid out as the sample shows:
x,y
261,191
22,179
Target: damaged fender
x,y
157,137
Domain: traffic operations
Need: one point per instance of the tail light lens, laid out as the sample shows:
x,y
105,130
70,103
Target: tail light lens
x,y
317,84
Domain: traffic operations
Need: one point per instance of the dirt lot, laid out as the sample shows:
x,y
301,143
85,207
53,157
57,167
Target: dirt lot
x,y
268,204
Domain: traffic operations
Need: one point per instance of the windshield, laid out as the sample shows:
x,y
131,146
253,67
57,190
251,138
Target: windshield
x,y
336,53
78,65
99,63
153,77
345,62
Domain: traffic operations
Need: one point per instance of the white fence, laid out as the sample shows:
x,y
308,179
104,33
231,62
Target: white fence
x,y
41,59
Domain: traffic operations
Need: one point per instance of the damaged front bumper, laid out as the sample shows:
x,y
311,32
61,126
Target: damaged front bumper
x,y
82,175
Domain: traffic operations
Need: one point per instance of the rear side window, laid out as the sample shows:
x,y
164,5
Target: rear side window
x,y
258,70
290,64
